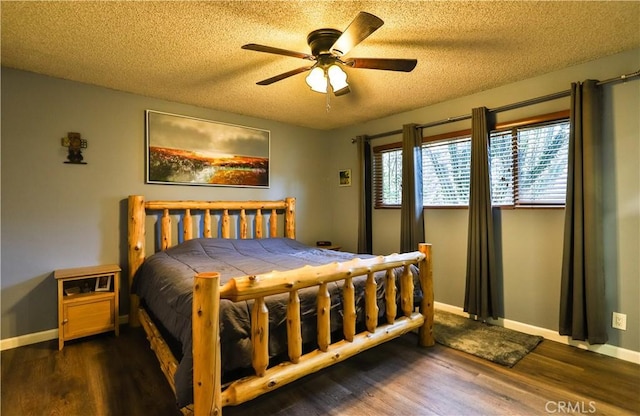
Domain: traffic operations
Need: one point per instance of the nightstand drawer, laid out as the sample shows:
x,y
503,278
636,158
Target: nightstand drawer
x,y
88,317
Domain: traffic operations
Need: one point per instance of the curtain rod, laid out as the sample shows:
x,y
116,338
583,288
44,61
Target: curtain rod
x,y
507,107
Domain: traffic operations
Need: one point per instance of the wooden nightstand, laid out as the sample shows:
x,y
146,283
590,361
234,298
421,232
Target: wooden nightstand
x,y
87,301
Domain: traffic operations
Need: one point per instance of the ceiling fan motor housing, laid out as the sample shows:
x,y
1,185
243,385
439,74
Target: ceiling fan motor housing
x,y
320,41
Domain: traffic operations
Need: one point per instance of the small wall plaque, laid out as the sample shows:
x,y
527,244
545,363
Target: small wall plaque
x,y
75,143
345,177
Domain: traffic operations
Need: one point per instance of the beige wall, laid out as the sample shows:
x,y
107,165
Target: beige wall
x,y
531,239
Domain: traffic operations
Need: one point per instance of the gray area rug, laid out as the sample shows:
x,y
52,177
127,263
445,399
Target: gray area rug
x,y
494,343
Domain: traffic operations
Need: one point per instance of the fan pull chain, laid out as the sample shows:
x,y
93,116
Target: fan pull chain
x,y
328,94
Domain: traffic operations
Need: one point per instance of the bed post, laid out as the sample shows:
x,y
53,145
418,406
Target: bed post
x,y
426,307
207,376
290,218
136,247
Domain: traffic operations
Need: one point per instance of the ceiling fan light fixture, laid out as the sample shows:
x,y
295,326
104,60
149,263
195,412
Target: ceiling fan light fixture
x,y
317,80
338,80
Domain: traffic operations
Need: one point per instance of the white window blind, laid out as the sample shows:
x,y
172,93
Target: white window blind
x,y
445,170
387,178
542,164
528,167
501,153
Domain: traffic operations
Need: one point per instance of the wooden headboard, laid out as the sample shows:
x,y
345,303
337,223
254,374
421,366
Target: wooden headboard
x,y
207,212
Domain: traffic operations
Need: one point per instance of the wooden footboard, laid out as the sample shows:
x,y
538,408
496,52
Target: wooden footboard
x,y
208,395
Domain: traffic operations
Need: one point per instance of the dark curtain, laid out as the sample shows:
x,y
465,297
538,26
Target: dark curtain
x,y
582,296
412,210
365,236
482,281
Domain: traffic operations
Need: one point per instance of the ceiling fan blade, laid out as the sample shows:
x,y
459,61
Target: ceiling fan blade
x,y
358,30
278,51
404,65
343,91
284,75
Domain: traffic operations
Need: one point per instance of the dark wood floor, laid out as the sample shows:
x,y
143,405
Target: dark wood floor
x,y
105,375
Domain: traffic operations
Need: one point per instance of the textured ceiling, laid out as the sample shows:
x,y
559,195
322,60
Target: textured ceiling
x,y
189,52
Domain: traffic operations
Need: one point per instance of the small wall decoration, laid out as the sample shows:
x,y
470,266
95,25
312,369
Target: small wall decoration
x,y
345,177
75,143
190,151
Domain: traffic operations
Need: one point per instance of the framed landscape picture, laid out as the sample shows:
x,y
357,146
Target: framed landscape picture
x,y
190,151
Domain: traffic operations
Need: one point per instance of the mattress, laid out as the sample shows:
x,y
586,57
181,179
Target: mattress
x,y
164,284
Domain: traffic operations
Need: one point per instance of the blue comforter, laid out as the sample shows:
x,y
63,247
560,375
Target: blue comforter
x,y
165,285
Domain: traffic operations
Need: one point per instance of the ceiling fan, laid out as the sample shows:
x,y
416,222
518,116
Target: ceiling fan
x,y
328,46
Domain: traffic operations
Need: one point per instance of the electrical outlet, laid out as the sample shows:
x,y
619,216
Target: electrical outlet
x,y
619,321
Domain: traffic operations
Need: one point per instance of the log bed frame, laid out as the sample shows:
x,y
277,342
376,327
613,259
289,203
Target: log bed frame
x,y
209,395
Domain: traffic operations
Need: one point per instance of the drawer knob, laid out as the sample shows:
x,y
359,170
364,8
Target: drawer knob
x,y
65,321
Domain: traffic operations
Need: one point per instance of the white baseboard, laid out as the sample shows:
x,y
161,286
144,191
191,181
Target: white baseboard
x,y
604,349
28,339
34,338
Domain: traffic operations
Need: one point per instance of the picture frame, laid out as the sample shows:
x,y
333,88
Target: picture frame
x,y
182,150
344,177
103,283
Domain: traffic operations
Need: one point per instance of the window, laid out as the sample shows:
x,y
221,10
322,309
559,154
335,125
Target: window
x,y
528,167
542,164
445,170
502,167
389,178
